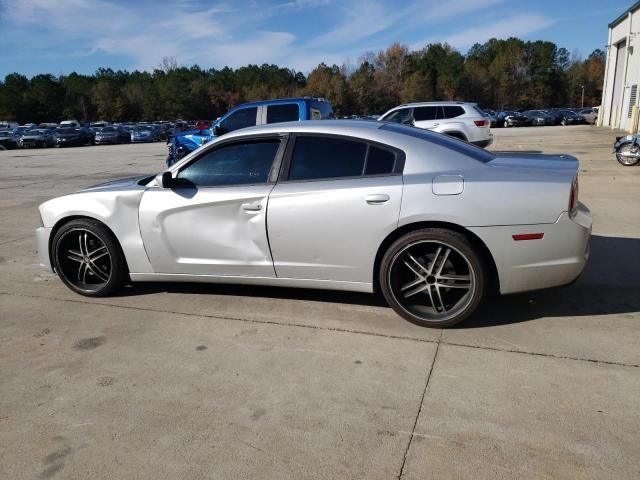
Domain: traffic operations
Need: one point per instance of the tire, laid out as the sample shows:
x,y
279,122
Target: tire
x,y
415,269
2,148
628,148
88,258
563,123
505,124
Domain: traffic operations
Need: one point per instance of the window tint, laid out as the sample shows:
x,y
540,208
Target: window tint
x,y
379,161
236,164
324,157
283,113
425,113
245,117
452,111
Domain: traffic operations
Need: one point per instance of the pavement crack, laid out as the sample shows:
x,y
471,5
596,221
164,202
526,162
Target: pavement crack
x,y
331,329
424,394
15,240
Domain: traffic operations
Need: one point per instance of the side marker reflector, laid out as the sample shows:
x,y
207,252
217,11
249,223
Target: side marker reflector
x,y
528,236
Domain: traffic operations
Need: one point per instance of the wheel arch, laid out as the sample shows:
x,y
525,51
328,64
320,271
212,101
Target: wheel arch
x,y
487,257
456,134
64,220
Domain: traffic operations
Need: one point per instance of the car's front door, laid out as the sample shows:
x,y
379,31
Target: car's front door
x,y
329,215
213,221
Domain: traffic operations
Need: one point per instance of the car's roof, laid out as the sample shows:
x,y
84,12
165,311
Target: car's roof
x,y
349,127
283,100
418,104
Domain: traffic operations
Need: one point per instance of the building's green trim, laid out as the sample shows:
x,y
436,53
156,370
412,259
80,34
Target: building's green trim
x,y
621,18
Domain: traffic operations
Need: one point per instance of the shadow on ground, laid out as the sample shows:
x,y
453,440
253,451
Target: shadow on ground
x,y
610,284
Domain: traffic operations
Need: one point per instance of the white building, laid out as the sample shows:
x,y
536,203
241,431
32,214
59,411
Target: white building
x,y
620,99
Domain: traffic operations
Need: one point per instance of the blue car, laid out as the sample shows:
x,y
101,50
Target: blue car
x,y
248,115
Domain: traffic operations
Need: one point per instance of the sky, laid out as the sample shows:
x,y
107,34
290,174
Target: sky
x,y
62,36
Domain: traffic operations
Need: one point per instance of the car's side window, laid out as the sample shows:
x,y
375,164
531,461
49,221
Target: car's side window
x,y
379,161
425,113
234,164
320,157
288,112
245,117
399,116
452,111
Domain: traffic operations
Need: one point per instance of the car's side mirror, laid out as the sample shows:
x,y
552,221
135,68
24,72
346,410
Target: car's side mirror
x,y
218,131
408,121
165,180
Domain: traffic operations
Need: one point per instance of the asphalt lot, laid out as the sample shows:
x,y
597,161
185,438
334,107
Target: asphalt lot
x,y
205,381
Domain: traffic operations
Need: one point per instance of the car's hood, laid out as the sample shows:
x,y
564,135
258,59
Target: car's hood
x,y
33,137
129,183
68,135
534,161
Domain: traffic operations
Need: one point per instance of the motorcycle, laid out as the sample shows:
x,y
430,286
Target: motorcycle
x,y
628,150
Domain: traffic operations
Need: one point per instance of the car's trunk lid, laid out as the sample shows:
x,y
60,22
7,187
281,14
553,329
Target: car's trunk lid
x,y
534,161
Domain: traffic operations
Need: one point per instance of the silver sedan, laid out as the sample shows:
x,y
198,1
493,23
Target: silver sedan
x,y
429,221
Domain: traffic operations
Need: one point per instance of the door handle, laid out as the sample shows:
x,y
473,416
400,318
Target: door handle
x,y
377,198
252,207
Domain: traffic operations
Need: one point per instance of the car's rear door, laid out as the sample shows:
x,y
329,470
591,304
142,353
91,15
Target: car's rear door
x,y
214,221
427,117
338,199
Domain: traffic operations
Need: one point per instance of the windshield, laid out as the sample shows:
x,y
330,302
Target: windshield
x,y
108,130
66,130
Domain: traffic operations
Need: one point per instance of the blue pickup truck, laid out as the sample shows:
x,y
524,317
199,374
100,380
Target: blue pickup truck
x,y
247,115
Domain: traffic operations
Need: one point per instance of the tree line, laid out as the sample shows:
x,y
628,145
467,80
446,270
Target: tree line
x,y
499,74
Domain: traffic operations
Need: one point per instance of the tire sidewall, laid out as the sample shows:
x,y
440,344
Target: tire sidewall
x,y
119,271
458,242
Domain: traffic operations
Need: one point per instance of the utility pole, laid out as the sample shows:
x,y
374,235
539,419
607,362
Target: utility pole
x,y
582,103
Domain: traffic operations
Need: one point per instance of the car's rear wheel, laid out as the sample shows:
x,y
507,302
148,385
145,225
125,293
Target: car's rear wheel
x,y
88,258
433,277
625,154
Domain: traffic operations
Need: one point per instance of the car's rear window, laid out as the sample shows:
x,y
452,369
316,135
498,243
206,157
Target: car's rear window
x,y
451,143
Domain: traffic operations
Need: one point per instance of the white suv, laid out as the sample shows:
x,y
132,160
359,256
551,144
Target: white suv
x,y
458,119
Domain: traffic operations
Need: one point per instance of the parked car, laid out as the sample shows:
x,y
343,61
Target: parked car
x,y
73,137
457,119
510,118
491,114
7,125
37,138
432,222
247,115
22,129
589,115
8,140
144,133
110,135
538,117
569,117
70,124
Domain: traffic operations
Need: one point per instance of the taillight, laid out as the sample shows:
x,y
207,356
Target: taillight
x,y
481,123
573,197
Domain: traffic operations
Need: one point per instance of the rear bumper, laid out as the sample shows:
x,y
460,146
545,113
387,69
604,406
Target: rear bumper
x,y
555,260
483,143
42,240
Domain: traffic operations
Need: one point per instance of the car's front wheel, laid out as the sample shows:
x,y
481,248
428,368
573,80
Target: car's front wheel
x,y
88,258
433,277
